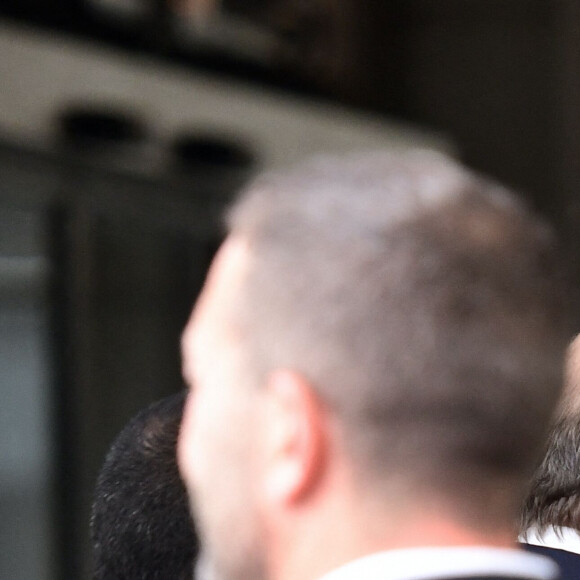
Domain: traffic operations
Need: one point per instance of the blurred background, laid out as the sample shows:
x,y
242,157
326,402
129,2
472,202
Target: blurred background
x,y
126,125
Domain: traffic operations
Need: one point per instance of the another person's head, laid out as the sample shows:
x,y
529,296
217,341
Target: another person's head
x,y
554,496
141,526
376,355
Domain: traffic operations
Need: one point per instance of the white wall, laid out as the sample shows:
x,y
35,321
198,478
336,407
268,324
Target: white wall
x,y
40,74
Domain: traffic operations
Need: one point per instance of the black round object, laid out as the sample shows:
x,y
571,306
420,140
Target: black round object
x,y
211,152
93,126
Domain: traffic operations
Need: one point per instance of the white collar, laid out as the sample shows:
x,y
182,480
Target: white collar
x,y
456,562
558,537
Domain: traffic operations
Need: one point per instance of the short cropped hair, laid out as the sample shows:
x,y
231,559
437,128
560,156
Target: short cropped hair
x,y
424,303
141,525
554,495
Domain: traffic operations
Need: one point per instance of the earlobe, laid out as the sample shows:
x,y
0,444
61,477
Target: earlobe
x,y
295,434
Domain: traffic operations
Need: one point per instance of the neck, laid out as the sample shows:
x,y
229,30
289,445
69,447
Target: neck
x,y
320,545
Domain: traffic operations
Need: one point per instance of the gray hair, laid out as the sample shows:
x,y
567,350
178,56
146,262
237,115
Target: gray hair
x,y
424,303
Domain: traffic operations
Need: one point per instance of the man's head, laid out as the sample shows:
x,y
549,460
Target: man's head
x,y
380,336
141,527
554,495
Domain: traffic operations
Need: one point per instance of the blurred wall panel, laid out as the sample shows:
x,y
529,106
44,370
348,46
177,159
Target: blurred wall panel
x,y
26,412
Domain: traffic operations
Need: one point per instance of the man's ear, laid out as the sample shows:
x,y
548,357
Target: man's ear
x,y
295,438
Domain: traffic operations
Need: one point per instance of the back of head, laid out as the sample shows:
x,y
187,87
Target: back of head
x,y
424,304
554,495
141,525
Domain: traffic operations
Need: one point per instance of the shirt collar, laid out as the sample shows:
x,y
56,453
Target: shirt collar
x,y
456,562
559,537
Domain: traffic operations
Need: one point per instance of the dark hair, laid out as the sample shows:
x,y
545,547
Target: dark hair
x,y
424,303
554,495
141,526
